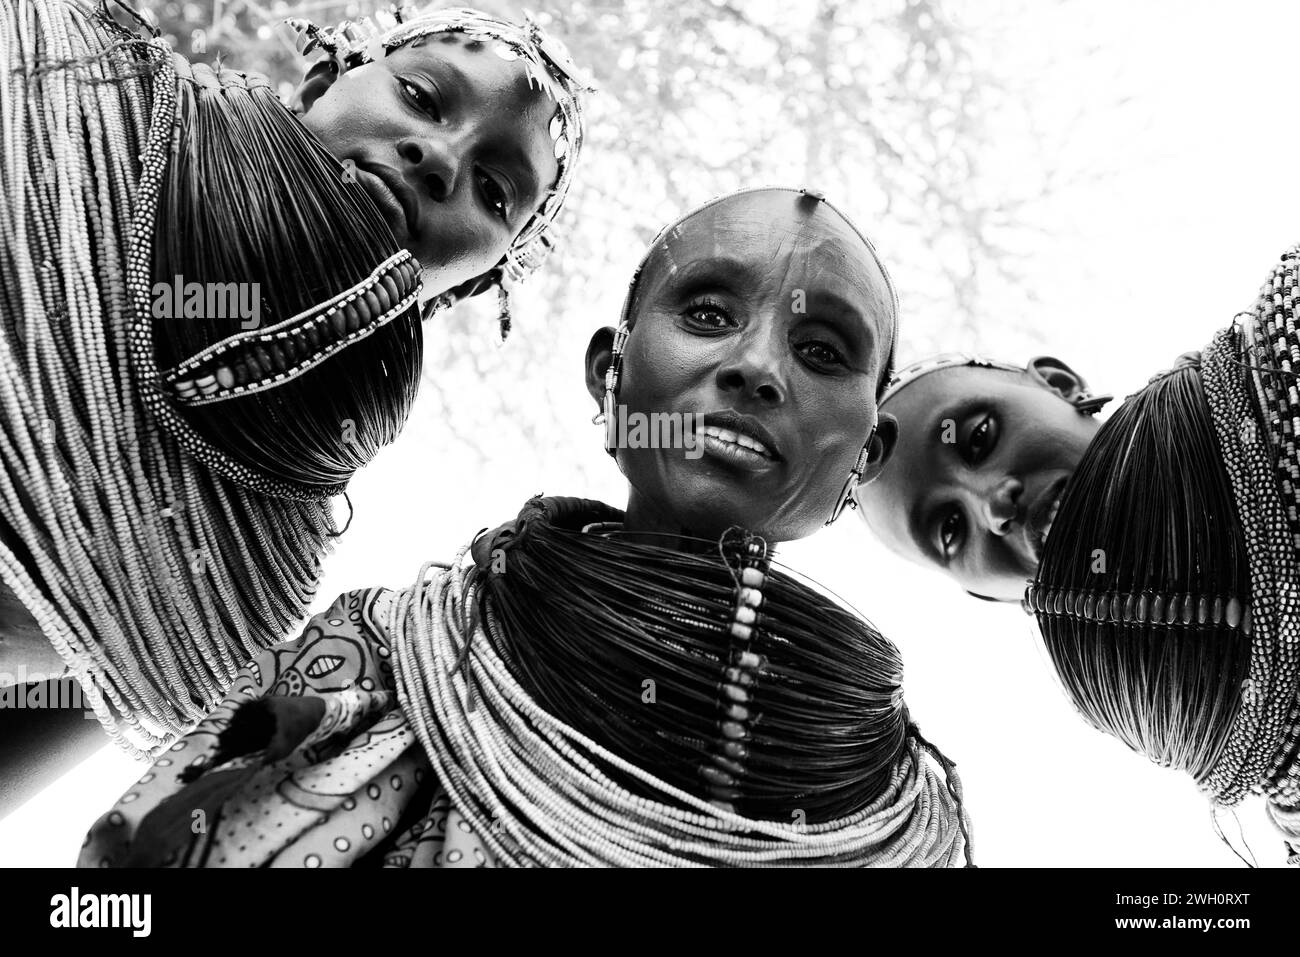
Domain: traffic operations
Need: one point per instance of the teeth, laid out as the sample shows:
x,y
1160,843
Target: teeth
x,y
736,438
1051,517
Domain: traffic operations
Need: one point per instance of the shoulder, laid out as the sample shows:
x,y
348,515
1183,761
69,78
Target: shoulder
x,y
341,647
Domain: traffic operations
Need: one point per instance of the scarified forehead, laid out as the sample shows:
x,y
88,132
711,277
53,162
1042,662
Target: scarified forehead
x,y
774,228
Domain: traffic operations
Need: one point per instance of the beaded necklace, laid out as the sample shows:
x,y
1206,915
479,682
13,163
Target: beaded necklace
x,y
546,791
153,562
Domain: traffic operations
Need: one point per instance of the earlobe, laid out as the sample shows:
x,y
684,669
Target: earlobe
x,y
320,77
600,352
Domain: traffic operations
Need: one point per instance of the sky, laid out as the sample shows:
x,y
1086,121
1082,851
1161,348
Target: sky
x,y
1189,125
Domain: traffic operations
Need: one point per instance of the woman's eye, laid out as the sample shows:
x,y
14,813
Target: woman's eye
x,y
494,195
422,100
950,532
981,440
710,314
822,353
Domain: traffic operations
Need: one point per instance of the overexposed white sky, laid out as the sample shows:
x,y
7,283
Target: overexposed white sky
x,y
1188,111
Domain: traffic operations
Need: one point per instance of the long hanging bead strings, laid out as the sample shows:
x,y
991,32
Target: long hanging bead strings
x,y
543,793
153,577
1264,469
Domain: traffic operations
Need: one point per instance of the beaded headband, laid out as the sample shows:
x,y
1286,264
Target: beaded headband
x,y
1085,402
544,58
937,363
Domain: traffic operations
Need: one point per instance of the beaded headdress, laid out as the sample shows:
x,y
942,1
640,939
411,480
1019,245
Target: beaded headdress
x,y
937,363
544,58
614,371
1085,401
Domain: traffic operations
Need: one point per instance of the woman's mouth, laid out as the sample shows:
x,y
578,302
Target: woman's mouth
x,y
392,200
735,447
1042,516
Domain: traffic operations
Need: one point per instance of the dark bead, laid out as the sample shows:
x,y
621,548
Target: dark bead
x,y
1129,607
242,376
1058,606
1171,611
723,794
1203,610
1187,609
1090,607
1234,613
1144,608
1217,613
1103,607
339,320
264,361
277,355
390,286
376,301
1157,610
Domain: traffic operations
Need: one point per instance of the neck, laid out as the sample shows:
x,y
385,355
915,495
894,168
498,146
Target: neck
x,y
650,523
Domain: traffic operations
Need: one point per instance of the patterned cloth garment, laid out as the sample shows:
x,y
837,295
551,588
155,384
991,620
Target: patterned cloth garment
x,y
353,786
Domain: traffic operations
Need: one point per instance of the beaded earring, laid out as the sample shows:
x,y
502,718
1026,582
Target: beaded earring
x,y
503,307
1088,404
846,499
606,415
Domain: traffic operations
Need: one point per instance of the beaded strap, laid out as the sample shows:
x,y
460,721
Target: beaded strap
x,y
252,362
1149,606
744,667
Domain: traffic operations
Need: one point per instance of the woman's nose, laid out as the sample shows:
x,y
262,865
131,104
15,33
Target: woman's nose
x,y
432,166
755,371
1002,506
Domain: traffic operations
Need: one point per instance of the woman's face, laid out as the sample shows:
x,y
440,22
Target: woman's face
x,y
977,471
451,142
766,313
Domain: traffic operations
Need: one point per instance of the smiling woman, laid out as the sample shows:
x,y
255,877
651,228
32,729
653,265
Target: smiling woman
x,y
589,686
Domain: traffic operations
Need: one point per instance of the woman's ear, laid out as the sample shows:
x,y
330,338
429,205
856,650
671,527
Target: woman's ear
x,y
881,447
1054,374
320,77
600,352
